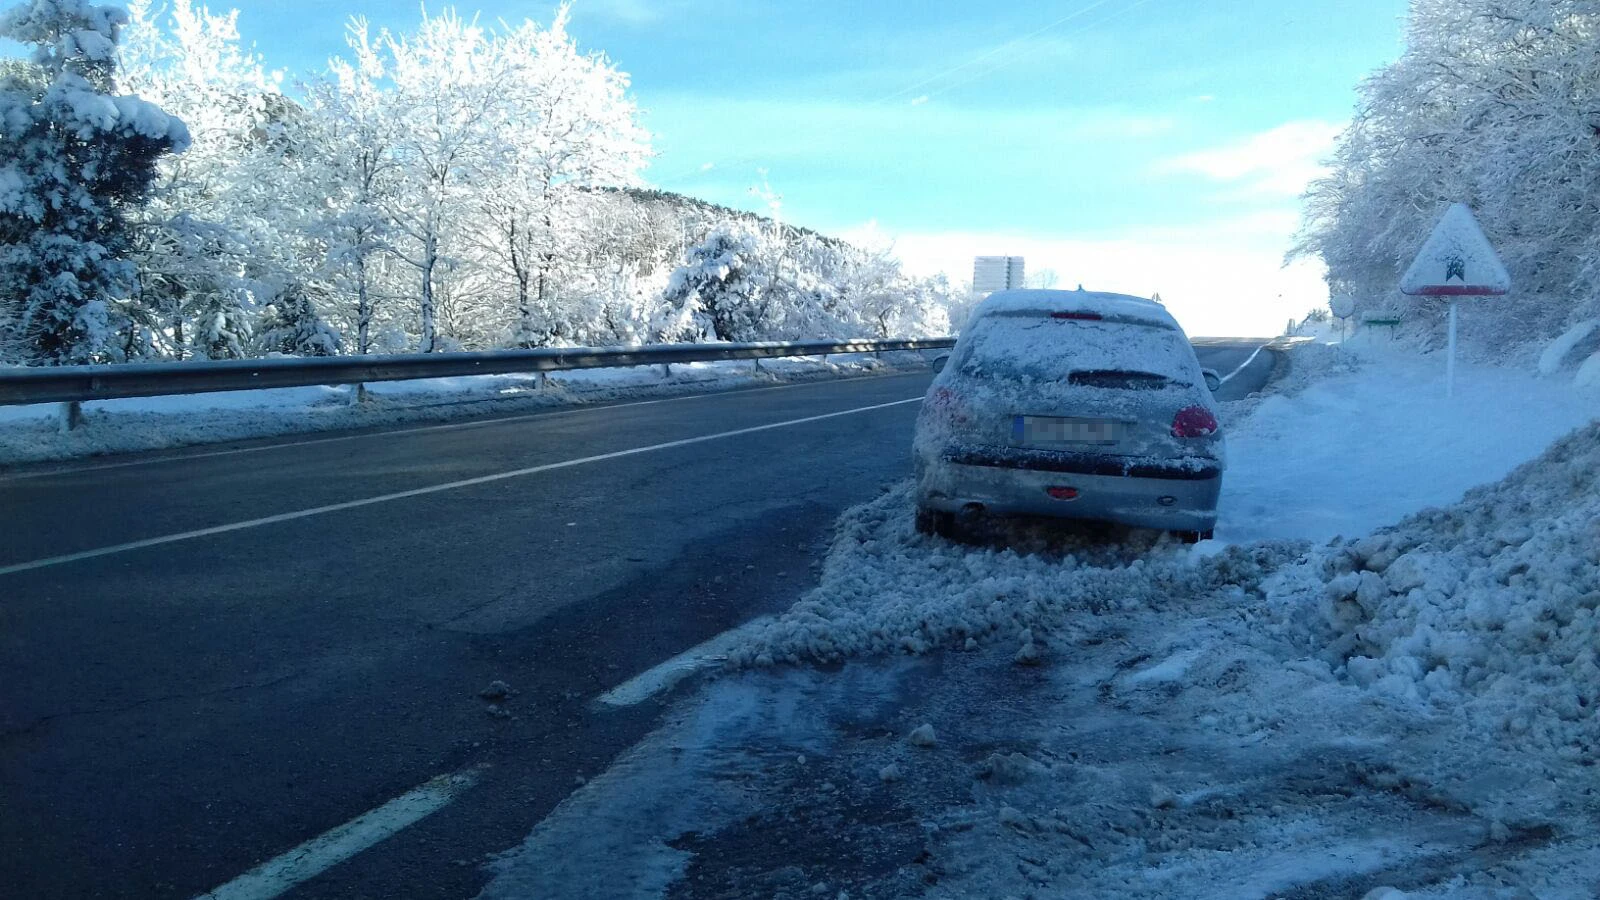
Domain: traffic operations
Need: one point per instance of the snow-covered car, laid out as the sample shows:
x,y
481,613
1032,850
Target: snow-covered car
x,y
1071,404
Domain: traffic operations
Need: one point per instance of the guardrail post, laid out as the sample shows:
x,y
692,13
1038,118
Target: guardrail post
x,y
544,381
666,369
71,415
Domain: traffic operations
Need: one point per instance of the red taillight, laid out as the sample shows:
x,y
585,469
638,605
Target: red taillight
x,y
946,403
1077,316
1062,493
1193,422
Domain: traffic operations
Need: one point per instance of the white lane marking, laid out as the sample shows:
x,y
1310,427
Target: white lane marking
x,y
420,429
1230,376
277,876
423,491
702,656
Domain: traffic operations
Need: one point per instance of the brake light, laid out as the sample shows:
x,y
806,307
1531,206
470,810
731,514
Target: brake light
x,y
948,404
1194,422
1077,316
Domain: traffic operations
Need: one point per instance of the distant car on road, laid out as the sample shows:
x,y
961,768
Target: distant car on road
x,y
1072,404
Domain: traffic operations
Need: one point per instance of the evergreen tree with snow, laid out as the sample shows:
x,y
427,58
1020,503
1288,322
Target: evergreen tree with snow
x,y
722,290
292,326
74,157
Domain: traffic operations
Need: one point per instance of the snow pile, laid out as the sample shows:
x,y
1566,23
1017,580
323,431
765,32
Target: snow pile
x,y
1372,438
1489,608
1299,363
1556,353
1310,362
1588,375
885,589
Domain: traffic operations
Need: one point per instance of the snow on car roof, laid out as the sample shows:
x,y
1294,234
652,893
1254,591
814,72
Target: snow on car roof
x,y
1106,304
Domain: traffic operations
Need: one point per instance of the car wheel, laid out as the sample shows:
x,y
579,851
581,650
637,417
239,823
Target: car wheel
x,y
936,521
1195,537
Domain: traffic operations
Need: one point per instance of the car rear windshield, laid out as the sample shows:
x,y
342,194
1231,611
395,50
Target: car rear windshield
x,y
1106,354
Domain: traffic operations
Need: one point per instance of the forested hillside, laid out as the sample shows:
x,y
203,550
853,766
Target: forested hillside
x,y
459,186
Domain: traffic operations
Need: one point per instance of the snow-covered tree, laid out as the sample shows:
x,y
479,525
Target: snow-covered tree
x,y
353,148
1491,104
218,235
292,326
568,126
452,185
74,157
445,86
722,292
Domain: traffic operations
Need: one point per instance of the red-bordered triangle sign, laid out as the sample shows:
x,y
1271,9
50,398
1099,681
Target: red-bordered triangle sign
x,y
1456,261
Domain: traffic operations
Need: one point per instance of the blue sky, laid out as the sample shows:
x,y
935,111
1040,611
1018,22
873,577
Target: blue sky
x,y
1142,145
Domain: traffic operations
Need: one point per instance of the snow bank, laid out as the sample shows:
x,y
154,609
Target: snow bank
x,y
885,589
1309,362
1589,373
1358,436
1488,609
31,433
1555,355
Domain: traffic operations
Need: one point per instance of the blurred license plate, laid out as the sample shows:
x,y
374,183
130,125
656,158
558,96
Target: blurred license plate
x,y
1050,430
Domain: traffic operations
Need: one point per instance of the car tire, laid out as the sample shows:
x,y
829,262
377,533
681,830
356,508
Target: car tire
x,y
1195,537
936,522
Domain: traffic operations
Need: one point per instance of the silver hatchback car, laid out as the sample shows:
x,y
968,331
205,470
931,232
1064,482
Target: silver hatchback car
x,y
1071,404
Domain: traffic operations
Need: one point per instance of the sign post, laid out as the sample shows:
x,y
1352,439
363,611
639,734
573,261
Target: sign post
x,y
1343,306
1456,261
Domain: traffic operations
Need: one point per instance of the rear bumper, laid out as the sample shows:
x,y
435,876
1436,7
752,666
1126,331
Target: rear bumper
x,y
1070,463
1171,495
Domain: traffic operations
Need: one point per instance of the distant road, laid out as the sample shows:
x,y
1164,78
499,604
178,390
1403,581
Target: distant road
x,y
208,657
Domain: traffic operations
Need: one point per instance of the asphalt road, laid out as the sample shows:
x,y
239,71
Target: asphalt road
x,y
209,658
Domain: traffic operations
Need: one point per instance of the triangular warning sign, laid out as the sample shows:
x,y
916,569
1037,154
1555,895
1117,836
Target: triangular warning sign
x,y
1456,261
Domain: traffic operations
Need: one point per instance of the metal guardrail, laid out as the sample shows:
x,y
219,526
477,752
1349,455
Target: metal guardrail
x,y
49,384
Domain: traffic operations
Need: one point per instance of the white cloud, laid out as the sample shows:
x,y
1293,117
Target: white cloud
x,y
1220,278
1278,162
